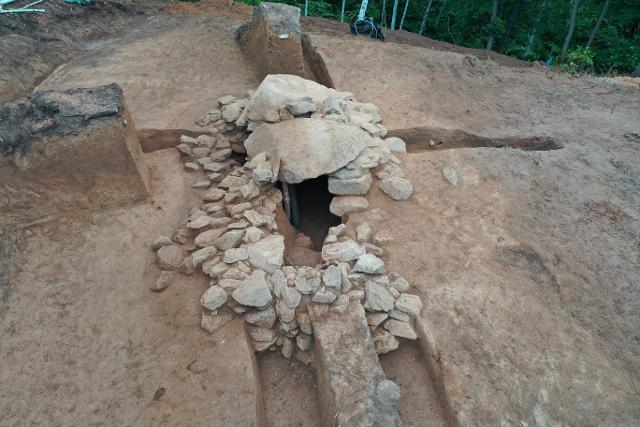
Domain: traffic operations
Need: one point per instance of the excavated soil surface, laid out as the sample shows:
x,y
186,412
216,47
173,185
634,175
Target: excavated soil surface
x,y
85,342
289,389
528,268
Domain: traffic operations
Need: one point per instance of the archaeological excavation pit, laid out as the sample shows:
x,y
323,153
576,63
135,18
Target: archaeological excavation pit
x,y
291,245
205,304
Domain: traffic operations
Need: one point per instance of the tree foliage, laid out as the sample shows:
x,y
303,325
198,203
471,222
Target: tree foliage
x,y
535,31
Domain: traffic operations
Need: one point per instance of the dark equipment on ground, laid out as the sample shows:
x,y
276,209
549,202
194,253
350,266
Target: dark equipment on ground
x,y
366,27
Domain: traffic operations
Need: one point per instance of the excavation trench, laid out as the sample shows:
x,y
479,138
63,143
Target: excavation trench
x,y
424,138
289,391
159,139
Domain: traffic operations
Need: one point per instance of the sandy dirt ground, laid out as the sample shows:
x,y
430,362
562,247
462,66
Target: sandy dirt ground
x,y
85,342
172,68
289,390
529,268
406,367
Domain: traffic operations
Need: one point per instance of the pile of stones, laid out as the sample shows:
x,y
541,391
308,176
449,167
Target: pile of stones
x,y
310,130
232,235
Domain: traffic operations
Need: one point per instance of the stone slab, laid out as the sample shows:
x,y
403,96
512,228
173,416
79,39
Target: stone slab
x,y
348,371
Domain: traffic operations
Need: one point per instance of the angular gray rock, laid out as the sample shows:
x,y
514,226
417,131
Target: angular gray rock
x,y
304,322
291,297
226,99
323,296
377,298
213,195
332,278
301,107
344,274
231,112
399,315
239,208
252,235
376,318
398,282
160,242
201,255
255,218
230,283
208,238
400,329
451,175
287,348
235,255
215,270
231,181
350,187
369,264
214,298
285,314
302,285
229,240
264,318
268,253
304,342
214,167
263,173
397,188
349,172
279,90
200,222
170,257
342,251
253,291
279,283
331,106
262,334
191,167
343,205
409,304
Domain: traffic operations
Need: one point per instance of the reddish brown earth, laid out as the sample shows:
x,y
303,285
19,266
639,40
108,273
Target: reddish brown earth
x,y
529,268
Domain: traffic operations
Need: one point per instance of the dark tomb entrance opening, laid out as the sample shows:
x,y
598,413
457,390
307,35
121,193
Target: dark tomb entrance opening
x,y
308,209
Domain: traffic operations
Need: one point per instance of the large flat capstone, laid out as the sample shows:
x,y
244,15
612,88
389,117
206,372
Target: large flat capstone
x,y
307,148
351,382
